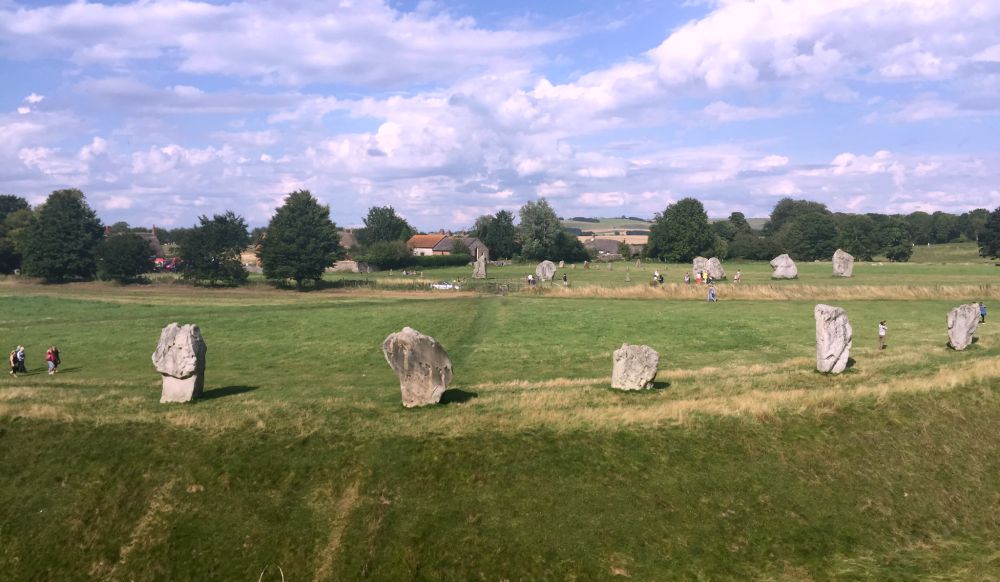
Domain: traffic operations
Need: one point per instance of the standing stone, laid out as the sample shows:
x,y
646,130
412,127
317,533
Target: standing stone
x,y
634,367
698,265
833,339
784,267
843,264
545,270
638,263
422,365
479,269
715,270
562,264
180,360
586,264
962,324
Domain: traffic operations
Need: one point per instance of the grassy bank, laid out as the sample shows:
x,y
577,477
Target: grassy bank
x,y
743,463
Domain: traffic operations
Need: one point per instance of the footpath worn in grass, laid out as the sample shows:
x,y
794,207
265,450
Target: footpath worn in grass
x,y
743,463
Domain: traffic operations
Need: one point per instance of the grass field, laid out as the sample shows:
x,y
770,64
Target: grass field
x,y
743,463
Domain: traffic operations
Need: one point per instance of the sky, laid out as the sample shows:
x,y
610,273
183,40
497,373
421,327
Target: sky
x,y
164,110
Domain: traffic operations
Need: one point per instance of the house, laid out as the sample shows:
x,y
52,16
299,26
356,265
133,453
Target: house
x,y
430,244
473,246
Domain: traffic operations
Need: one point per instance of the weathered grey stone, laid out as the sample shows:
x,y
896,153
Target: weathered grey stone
x,y
713,266
834,338
180,360
784,267
962,324
479,268
843,264
422,365
545,270
634,367
562,264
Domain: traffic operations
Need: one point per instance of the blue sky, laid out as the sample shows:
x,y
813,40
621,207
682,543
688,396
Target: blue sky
x,y
164,110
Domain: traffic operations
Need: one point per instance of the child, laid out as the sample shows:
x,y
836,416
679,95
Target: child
x,y
882,329
982,313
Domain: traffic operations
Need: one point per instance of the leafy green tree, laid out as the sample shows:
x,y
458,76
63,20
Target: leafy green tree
x,y
569,248
897,246
387,254
16,207
989,236
921,227
810,236
724,230
856,234
301,240
62,242
945,228
498,233
971,223
680,233
740,223
123,257
787,209
210,252
383,224
119,227
539,230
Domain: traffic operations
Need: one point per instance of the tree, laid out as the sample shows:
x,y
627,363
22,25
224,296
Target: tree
x,y
392,254
921,227
897,246
569,248
123,257
540,228
301,240
945,227
989,236
972,223
383,224
62,243
680,233
210,253
119,227
810,236
17,211
787,209
856,234
498,233
740,223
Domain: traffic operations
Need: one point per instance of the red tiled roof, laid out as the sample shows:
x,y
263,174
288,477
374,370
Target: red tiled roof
x,y
425,241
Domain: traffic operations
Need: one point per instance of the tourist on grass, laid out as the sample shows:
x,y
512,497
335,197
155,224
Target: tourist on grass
x,y
13,363
20,360
737,276
531,280
982,313
565,280
712,297
687,278
882,329
52,359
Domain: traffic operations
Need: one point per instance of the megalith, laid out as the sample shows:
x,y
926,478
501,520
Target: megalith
x,y
180,360
833,339
843,264
634,367
545,271
784,267
711,266
422,365
962,324
479,268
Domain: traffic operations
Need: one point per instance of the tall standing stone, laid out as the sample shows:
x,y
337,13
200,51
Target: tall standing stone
x,y
962,324
634,367
711,266
562,264
834,338
421,364
784,267
545,270
180,360
479,268
843,264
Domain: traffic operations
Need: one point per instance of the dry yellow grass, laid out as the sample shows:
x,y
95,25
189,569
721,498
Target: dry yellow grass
x,y
783,292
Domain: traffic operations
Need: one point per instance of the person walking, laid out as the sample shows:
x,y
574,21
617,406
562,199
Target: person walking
x,y
565,280
50,360
882,330
13,363
20,360
737,276
56,359
687,278
712,297
982,313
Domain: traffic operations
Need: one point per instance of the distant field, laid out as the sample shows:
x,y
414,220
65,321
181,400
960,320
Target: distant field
x,y
606,224
743,463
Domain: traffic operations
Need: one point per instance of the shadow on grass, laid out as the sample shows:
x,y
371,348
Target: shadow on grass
x,y
226,391
661,385
457,396
68,370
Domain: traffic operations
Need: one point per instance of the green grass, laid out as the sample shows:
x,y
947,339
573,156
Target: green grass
x,y
744,464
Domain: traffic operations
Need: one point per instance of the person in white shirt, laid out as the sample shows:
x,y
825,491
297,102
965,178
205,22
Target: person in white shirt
x,y
882,329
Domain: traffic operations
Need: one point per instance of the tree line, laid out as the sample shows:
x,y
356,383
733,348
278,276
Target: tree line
x,y
808,230
63,239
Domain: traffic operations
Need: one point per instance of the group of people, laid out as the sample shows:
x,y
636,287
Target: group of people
x,y
17,359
